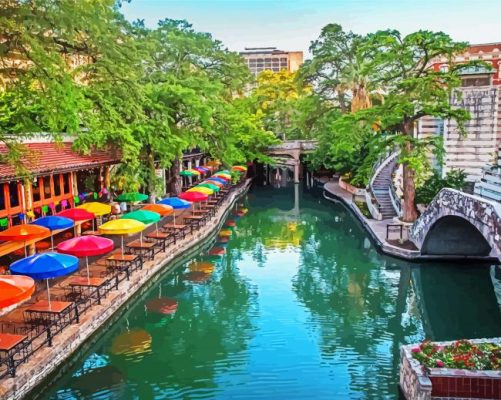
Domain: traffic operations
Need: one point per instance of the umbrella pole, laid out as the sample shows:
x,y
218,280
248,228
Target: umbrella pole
x,y
48,292
87,266
51,241
25,251
156,226
122,241
174,215
141,238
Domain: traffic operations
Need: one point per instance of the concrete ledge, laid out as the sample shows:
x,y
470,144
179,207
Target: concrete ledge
x,y
49,359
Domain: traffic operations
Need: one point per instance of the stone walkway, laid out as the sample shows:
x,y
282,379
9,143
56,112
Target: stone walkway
x,y
47,360
377,229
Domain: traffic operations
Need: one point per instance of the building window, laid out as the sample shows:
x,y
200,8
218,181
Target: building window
x,y
66,183
35,188
444,68
57,184
47,193
14,194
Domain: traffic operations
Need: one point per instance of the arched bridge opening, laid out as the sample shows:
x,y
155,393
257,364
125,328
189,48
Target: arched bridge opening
x,y
454,235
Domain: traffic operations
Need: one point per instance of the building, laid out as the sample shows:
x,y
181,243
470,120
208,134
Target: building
x,y
259,59
488,52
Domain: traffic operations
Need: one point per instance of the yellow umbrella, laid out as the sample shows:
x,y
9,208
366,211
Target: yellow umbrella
x,y
135,341
224,175
201,189
225,233
206,267
121,227
96,208
195,172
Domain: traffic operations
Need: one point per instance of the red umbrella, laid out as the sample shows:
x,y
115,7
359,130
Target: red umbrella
x,y
76,214
86,246
217,251
15,289
223,239
194,197
231,223
162,305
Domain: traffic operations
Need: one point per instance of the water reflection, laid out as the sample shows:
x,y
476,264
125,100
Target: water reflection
x,y
299,304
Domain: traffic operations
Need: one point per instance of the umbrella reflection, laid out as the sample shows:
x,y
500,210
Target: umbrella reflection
x,y
135,341
197,276
202,266
162,305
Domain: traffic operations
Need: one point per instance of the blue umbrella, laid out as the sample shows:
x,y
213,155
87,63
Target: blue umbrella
x,y
215,178
53,223
45,266
176,203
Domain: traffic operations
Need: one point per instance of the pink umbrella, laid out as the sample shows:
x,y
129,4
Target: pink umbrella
x,y
86,246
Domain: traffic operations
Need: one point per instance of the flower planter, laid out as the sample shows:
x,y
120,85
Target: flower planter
x,y
418,382
351,189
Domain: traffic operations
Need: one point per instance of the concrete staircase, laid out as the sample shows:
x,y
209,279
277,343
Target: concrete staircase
x,y
380,188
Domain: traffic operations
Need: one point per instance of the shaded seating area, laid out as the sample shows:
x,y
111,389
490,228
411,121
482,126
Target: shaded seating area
x,y
94,265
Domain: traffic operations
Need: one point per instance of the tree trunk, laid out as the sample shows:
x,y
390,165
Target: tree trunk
x,y
409,189
174,185
152,177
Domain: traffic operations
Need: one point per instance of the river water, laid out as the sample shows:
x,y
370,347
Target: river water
x,y
301,306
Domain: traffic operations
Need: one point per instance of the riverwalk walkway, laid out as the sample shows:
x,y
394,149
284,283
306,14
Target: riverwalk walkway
x,y
377,229
49,358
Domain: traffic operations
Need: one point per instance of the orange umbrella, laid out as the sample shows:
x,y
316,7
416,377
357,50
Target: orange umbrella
x,y
15,289
202,266
217,251
24,232
161,209
132,342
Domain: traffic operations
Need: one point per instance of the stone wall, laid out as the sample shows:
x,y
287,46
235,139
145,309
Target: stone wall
x,y
479,147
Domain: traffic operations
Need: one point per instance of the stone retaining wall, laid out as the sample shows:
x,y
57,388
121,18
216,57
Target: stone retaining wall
x,y
48,359
420,383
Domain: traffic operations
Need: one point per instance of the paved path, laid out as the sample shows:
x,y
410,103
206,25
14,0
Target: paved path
x,y
377,229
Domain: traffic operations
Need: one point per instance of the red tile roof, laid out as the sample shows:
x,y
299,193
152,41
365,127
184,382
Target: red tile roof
x,y
43,158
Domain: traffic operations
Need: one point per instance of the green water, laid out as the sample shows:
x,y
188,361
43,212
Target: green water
x,y
301,306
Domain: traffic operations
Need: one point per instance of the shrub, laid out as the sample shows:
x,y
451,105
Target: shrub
x,y
455,179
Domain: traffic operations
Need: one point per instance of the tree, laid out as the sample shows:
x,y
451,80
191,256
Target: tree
x,y
412,90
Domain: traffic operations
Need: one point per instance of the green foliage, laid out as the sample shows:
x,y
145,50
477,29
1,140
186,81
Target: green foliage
x,y
454,179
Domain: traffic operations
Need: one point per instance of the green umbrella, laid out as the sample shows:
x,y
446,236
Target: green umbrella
x,y
224,171
209,186
186,173
132,197
144,216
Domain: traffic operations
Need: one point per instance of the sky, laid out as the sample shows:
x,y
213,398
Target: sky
x,y
293,24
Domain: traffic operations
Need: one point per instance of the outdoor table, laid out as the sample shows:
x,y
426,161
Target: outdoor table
x,y
145,249
90,282
124,262
161,238
94,233
41,313
195,220
178,228
10,345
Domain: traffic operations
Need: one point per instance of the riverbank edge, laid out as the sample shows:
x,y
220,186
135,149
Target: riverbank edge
x,y
334,190
46,362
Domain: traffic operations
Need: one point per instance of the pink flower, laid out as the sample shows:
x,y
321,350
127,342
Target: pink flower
x,y
416,350
439,364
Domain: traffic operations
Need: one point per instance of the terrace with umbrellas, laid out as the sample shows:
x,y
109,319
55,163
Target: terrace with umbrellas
x,y
58,265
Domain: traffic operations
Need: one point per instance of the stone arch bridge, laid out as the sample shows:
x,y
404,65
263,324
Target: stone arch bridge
x,y
459,224
288,154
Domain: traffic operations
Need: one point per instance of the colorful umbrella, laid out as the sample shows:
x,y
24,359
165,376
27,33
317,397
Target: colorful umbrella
x,y
195,172
202,266
224,171
96,208
239,168
86,246
162,305
132,197
220,180
203,190
231,223
23,233
223,239
14,289
121,227
175,202
186,172
196,276
223,176
213,182
76,214
214,163
144,216
210,186
203,170
45,266
194,197
132,342
161,209
225,233
54,223
217,251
